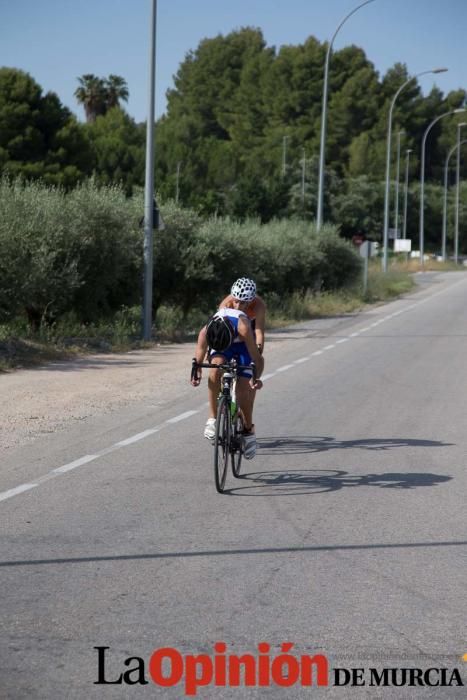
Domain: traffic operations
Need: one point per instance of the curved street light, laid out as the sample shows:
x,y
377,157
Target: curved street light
x,y
319,213
396,212
388,161
456,220
422,180
406,192
445,199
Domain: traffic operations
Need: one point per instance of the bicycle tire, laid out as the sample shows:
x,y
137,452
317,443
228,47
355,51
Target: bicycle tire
x,y
236,452
222,444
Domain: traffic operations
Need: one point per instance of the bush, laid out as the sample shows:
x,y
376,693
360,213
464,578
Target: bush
x,y
60,252
38,266
82,253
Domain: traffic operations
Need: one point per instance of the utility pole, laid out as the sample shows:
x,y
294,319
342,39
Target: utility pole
x,y
284,155
177,190
149,183
303,179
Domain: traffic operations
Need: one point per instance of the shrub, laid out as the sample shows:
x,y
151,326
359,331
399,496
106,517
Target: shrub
x,y
82,252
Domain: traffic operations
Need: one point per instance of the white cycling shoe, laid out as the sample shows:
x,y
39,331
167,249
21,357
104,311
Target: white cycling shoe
x,y
210,429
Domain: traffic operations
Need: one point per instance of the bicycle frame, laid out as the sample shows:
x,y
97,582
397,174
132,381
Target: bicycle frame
x,y
229,421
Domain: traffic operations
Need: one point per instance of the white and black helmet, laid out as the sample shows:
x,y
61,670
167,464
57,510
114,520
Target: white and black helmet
x,y
244,289
220,333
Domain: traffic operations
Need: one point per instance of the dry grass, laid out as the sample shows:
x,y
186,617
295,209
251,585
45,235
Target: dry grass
x,y
429,266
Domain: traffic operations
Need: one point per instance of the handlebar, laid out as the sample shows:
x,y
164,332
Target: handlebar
x,y
226,366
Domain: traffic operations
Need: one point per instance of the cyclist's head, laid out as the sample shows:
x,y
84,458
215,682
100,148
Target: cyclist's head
x,y
219,333
243,289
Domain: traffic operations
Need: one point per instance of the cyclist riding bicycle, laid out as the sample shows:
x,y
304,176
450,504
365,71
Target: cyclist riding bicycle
x,y
244,289
228,335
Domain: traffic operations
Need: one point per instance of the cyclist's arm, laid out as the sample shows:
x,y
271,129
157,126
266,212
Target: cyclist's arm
x,y
201,346
246,334
260,323
200,354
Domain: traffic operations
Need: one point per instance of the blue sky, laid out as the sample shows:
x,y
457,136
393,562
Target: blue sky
x,y
58,40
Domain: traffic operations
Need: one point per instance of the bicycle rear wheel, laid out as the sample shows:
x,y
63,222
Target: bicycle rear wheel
x,y
222,444
236,442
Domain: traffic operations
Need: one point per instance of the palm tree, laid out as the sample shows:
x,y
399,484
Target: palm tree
x,y
116,89
92,94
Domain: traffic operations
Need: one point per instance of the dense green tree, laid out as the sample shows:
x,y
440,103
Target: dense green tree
x,y
39,137
358,207
119,148
353,104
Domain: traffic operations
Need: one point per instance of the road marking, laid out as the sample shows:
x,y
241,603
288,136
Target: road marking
x,y
329,347
77,463
300,360
342,340
16,491
284,368
137,437
265,377
317,352
182,416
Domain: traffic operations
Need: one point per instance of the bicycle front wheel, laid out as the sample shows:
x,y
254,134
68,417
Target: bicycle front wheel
x,y
236,450
222,443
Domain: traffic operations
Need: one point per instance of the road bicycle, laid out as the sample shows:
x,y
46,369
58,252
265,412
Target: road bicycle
x,y
229,421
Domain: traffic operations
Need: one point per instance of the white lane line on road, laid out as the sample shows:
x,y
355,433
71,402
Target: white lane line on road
x,y
329,347
182,416
108,450
137,437
354,335
342,340
284,368
316,352
300,360
77,463
16,491
265,377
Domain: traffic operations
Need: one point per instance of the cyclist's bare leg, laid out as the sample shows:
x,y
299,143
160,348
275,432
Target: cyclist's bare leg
x,y
245,399
214,385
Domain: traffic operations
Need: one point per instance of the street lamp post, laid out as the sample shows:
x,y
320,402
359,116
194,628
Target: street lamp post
x,y
456,219
396,211
445,199
284,155
406,192
319,213
149,182
422,181
177,183
388,161
303,180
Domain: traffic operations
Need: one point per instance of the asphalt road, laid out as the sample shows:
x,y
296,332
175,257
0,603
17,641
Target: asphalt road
x,y
346,536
